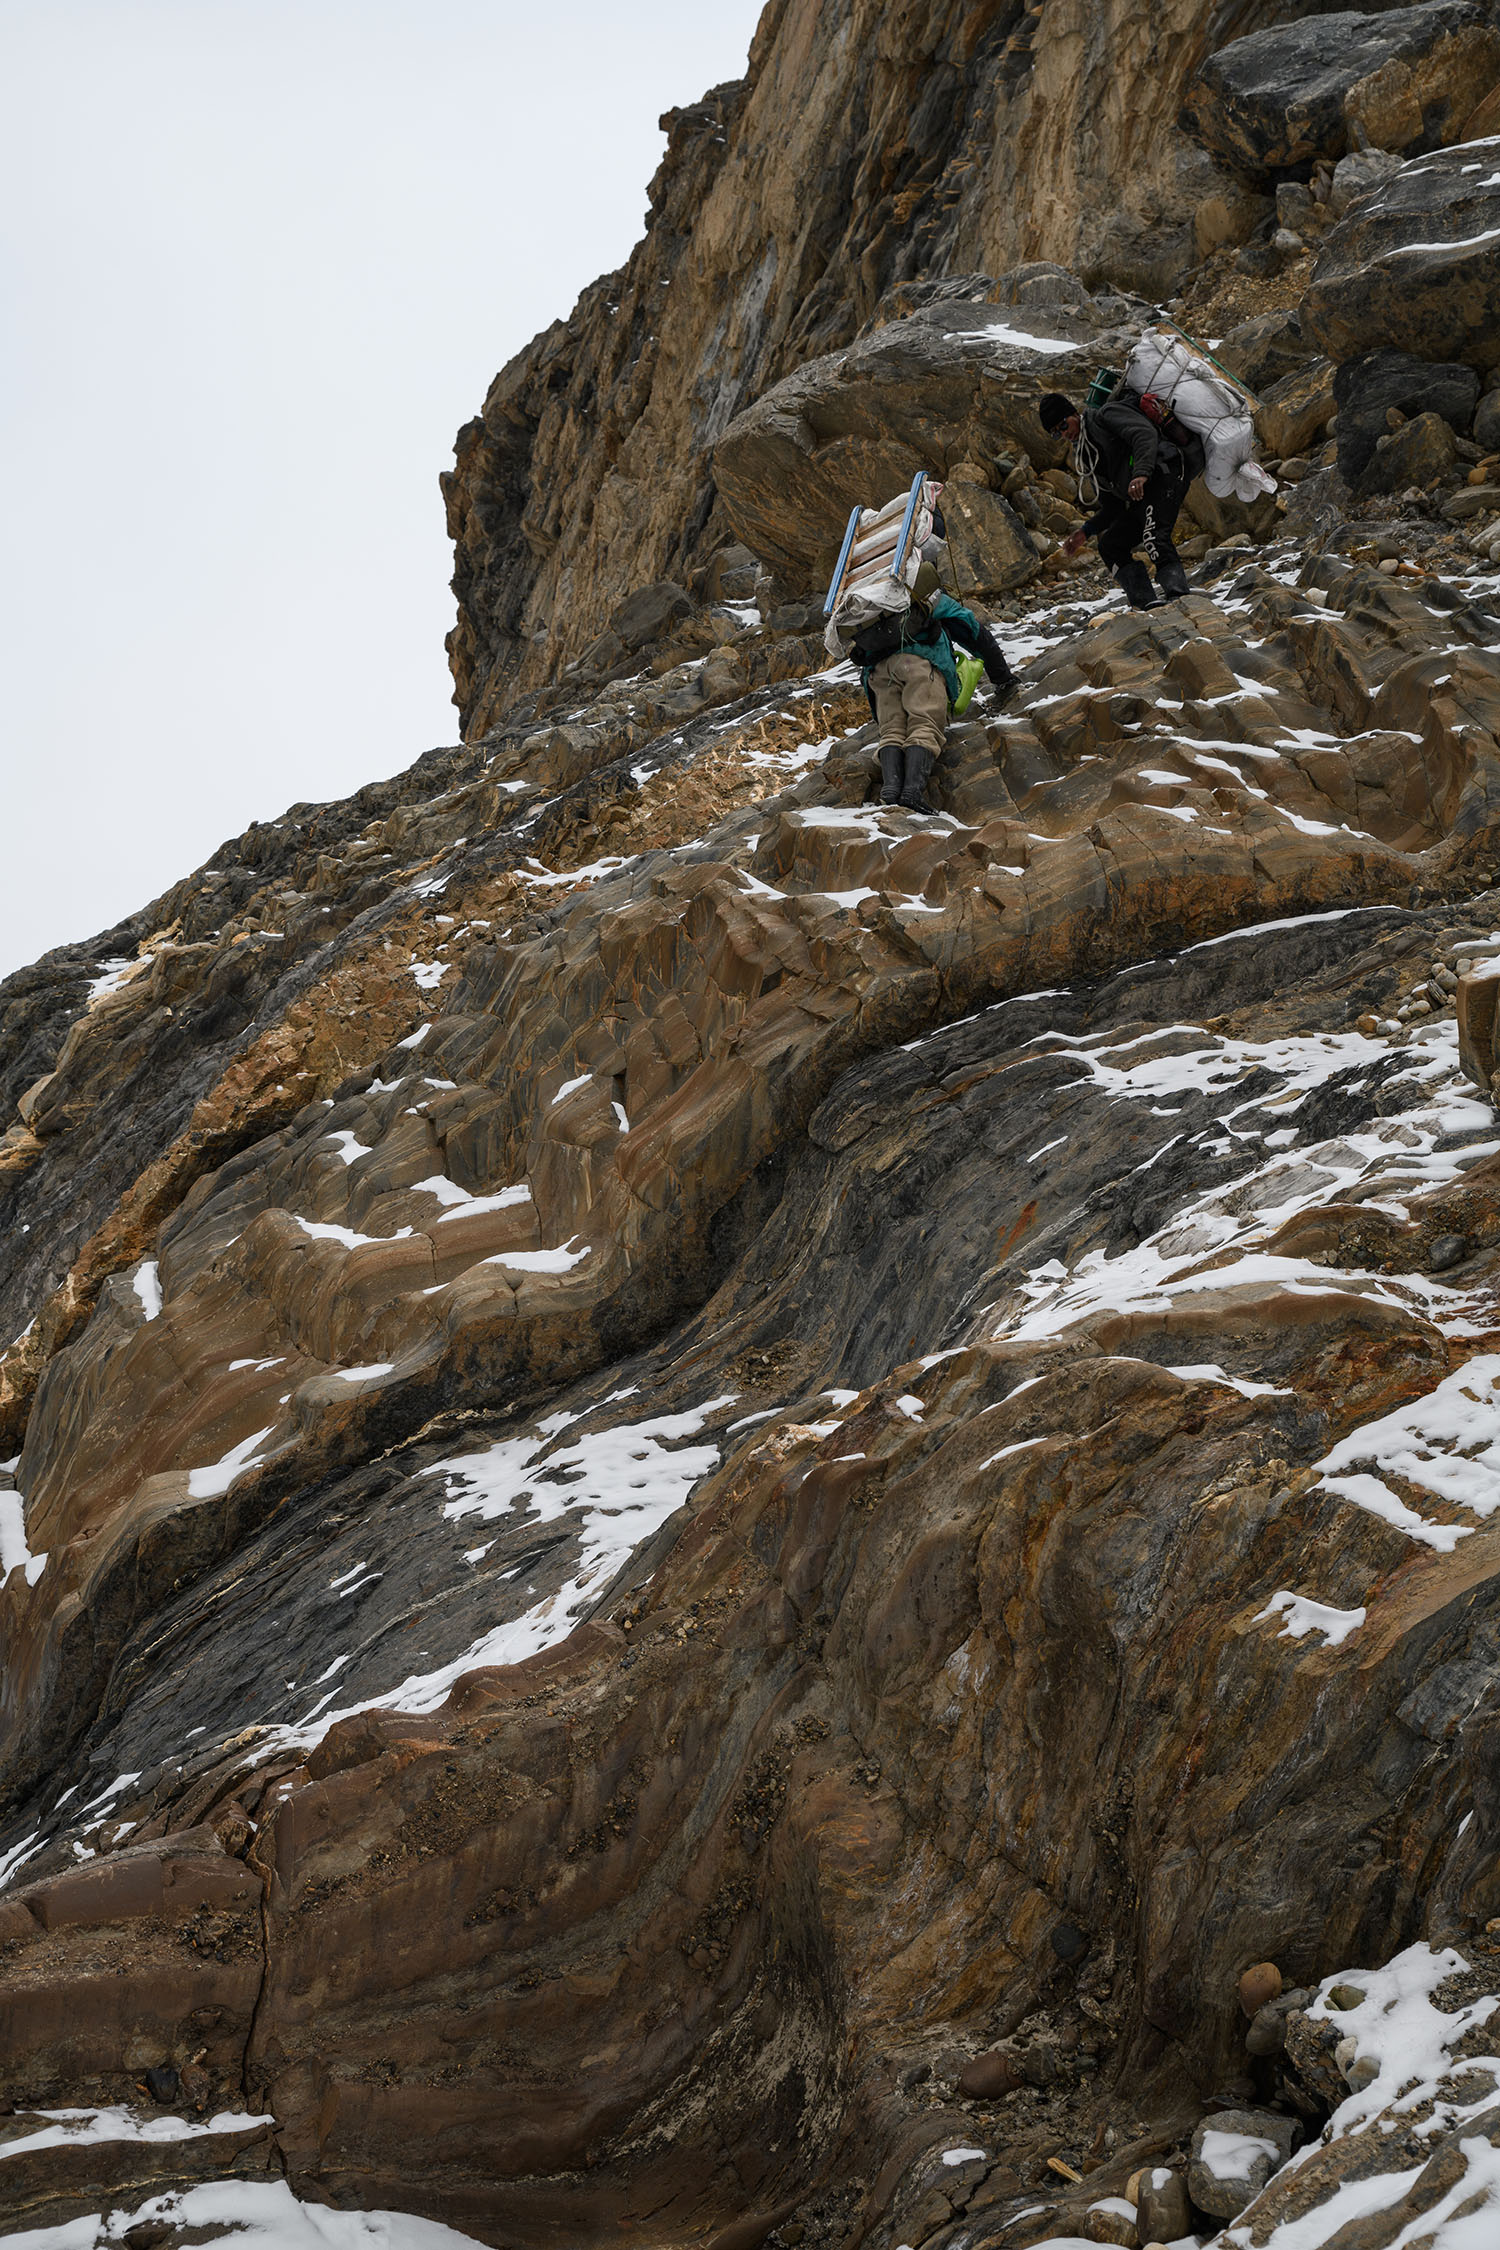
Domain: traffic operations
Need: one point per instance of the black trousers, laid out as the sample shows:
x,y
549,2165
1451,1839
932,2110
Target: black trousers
x,y
1148,522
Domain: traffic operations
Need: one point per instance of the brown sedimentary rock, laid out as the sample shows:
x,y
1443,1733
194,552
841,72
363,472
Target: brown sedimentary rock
x,y
749,1810
721,1494
324,1034
860,156
765,994
989,2076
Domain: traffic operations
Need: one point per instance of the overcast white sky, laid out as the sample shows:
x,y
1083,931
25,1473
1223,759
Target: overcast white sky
x,y
260,259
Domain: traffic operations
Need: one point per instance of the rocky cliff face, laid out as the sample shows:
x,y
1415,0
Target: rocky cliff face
x,y
866,152
731,1518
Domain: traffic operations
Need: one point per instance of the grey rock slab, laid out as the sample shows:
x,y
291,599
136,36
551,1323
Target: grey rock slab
x,y
1266,350
1288,94
648,613
1233,2155
1367,388
1420,452
1415,266
1441,2172
1358,174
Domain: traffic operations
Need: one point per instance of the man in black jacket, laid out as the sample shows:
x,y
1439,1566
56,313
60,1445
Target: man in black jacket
x,y
1141,460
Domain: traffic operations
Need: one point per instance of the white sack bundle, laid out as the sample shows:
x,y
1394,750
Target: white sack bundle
x,y
1207,403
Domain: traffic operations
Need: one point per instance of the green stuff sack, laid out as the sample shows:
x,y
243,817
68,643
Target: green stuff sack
x,y
970,673
1102,389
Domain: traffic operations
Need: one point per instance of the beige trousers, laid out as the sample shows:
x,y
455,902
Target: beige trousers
x,y
911,703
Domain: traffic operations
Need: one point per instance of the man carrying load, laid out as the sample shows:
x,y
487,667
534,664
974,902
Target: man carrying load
x,y
1140,461
886,614
908,672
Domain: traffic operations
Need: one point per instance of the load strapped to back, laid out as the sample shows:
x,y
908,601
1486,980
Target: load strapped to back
x,y
1207,401
869,593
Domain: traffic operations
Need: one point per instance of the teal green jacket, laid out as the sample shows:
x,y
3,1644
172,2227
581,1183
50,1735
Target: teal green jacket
x,y
948,622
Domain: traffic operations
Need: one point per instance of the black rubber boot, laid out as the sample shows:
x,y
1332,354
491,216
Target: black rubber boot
x,y
914,795
892,772
1171,577
1135,584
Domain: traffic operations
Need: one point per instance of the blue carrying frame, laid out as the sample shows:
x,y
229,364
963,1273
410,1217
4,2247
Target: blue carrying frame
x,y
836,581
898,560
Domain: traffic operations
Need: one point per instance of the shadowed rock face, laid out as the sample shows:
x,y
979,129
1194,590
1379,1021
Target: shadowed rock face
x,y
1405,78
1366,389
722,1522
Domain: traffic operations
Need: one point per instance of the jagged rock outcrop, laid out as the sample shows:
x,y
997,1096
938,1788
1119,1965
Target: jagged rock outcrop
x,y
1415,266
1406,79
1365,391
640,1411
862,153
952,388
733,1519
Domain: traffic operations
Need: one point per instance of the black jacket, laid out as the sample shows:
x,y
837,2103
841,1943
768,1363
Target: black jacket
x,y
1128,444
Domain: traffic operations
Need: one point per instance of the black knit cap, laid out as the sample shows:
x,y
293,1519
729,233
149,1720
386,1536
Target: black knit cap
x,y
1053,410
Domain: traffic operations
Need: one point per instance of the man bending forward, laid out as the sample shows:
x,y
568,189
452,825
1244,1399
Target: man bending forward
x,y
1141,460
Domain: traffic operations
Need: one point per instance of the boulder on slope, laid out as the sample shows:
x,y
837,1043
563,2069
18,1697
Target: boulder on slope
x,y
952,382
650,612
1233,2154
1293,412
988,544
1407,79
1419,453
1415,266
1265,349
1366,389
1358,174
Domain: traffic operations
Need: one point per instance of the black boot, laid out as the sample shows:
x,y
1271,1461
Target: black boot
x,y
892,772
1170,575
1002,685
1135,584
914,795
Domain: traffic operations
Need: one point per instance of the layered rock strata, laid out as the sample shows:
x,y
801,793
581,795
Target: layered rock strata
x,y
734,1519
863,154
639,1408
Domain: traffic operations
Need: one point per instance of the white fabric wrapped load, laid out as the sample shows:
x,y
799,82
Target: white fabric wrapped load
x,y
1207,403
868,585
